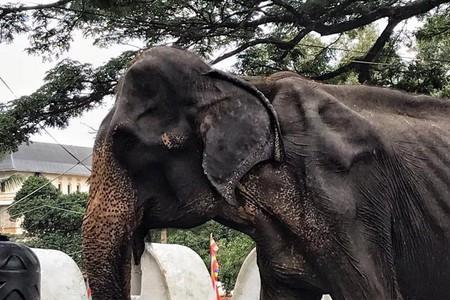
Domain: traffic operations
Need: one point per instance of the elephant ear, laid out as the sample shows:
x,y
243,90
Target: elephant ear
x,y
239,128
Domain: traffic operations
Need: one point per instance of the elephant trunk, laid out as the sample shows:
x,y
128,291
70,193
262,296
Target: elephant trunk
x,y
108,227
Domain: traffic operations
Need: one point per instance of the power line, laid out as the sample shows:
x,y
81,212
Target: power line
x,y
63,209
76,252
8,87
65,148
45,206
94,131
25,212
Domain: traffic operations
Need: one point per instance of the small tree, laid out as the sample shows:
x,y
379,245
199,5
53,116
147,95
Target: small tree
x,y
12,181
51,220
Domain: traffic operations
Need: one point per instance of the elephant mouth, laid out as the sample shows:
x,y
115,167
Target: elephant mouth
x,y
126,136
162,208
126,147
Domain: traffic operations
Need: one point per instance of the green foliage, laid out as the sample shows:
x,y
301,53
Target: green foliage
x,y
67,242
51,220
32,207
232,252
357,41
233,247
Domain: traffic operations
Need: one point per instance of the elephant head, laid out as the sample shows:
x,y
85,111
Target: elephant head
x,y
169,154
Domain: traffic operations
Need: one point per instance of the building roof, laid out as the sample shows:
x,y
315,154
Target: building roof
x,y
48,158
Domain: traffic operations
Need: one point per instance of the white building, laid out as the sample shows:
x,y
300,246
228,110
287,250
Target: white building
x,y
56,162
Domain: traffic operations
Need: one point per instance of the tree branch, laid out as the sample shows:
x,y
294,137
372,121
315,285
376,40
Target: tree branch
x,y
361,65
301,17
245,46
294,42
397,12
374,51
335,73
8,10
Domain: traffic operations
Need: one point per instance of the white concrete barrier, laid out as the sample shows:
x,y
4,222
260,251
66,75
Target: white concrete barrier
x,y
60,276
166,272
248,282
170,272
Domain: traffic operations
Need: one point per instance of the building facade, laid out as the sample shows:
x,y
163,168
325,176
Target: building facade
x,y
67,167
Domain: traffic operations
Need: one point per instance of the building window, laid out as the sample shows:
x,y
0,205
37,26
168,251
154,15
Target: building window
x,y
37,174
78,188
2,187
68,188
59,187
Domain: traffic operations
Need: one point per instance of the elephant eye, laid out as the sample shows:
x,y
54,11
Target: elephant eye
x,y
148,111
151,109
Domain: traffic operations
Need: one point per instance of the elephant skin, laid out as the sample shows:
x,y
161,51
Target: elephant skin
x,y
345,189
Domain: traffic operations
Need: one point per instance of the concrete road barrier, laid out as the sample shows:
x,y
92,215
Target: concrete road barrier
x,y
248,282
166,272
60,276
170,272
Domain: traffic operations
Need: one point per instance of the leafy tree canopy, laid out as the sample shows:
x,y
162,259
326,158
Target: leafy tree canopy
x,y
333,40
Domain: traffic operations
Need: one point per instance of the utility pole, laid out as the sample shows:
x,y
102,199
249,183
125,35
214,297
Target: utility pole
x,y
164,236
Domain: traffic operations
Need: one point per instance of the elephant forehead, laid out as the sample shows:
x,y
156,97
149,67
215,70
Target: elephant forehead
x,y
173,59
174,67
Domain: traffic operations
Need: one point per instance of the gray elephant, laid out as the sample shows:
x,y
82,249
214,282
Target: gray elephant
x,y
345,189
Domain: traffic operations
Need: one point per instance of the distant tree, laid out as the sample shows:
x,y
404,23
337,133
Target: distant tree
x,y
51,220
285,33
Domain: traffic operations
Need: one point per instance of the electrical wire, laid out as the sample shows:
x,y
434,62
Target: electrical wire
x,y
45,206
8,87
65,148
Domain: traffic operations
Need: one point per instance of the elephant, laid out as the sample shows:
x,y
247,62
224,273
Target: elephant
x,y
345,189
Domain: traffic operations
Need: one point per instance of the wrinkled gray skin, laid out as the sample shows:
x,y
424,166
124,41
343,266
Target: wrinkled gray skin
x,y
345,189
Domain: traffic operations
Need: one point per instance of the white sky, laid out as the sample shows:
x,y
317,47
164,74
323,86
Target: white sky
x,y
24,74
